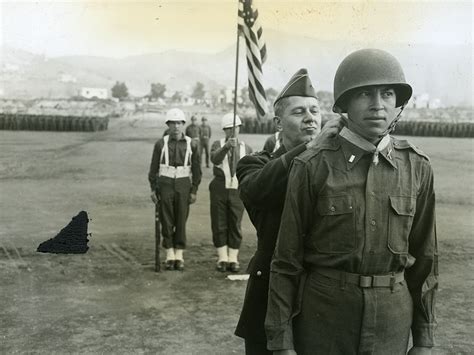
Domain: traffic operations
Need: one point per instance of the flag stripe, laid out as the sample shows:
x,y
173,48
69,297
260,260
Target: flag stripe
x,y
256,53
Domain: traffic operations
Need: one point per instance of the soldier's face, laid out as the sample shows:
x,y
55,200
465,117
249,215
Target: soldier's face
x,y
301,119
371,109
176,128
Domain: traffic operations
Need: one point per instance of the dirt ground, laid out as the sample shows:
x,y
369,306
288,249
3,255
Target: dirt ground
x,y
110,300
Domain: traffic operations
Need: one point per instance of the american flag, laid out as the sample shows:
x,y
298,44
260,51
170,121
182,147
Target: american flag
x,y
256,53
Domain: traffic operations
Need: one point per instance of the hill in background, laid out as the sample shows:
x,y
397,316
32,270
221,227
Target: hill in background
x,y
444,72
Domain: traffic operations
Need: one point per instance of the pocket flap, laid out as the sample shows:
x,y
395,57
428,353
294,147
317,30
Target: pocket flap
x,y
334,205
403,205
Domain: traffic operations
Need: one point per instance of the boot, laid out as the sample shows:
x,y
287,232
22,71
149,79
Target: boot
x,y
170,259
233,265
222,258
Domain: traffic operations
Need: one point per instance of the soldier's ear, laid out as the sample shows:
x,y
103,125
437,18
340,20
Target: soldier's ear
x,y
277,122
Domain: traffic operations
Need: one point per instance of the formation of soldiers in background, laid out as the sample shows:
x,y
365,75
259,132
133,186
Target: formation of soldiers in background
x,y
41,122
175,174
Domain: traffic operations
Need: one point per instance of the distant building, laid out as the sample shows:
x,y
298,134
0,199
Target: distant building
x,y
9,67
424,101
67,78
227,96
90,93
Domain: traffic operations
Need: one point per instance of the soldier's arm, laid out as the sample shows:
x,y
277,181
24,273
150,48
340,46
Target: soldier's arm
x,y
287,262
218,153
422,277
262,182
155,166
195,166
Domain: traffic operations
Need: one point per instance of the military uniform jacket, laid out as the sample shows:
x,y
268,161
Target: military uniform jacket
x,y
176,153
262,185
344,212
193,131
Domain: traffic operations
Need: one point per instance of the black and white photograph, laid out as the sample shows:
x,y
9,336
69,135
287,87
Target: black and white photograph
x,y
236,177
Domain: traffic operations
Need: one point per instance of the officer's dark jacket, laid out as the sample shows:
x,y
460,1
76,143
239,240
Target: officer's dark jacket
x,y
262,186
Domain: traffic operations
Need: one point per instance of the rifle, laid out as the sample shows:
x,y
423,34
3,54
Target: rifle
x,y
157,237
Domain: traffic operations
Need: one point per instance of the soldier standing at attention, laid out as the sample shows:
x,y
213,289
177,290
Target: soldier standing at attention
x,y
355,267
174,176
226,207
204,138
262,184
193,130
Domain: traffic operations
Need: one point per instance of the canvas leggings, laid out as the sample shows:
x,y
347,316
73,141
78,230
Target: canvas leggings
x,y
338,318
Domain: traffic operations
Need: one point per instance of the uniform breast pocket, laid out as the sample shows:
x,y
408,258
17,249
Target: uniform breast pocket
x,y
336,231
400,219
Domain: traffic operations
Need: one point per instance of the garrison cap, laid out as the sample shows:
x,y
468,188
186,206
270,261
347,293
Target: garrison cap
x,y
299,85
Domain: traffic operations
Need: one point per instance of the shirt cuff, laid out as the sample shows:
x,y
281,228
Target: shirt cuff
x,y
282,339
424,335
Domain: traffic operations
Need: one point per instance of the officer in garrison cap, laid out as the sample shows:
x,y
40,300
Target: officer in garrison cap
x,y
262,186
174,175
226,207
355,266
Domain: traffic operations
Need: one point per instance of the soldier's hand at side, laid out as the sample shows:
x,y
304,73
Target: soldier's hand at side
x,y
330,129
419,350
192,198
284,352
154,197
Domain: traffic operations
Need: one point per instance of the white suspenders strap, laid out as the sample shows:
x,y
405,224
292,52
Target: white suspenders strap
x,y
172,171
231,182
165,151
277,141
187,156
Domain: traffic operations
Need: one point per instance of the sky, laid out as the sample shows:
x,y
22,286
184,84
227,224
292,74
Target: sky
x,y
117,28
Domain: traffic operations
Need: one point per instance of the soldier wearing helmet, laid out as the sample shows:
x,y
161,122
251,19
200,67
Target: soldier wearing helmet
x,y
226,207
355,267
262,186
174,176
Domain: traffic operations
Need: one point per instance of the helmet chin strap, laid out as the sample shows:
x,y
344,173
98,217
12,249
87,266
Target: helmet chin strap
x,y
389,129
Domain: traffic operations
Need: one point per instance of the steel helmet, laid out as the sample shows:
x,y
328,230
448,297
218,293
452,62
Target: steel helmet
x,y
369,67
228,120
175,115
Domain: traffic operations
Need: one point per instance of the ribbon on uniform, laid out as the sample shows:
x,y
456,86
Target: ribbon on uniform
x,y
364,144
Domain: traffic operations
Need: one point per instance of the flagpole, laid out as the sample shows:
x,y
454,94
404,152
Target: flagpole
x,y
236,78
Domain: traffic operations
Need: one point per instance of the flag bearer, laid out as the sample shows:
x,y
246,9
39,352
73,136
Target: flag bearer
x,y
226,207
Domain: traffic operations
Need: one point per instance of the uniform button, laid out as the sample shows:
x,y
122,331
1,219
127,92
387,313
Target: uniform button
x,y
259,273
350,207
333,209
372,222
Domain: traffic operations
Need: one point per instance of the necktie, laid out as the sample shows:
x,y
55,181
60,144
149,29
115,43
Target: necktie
x,y
364,144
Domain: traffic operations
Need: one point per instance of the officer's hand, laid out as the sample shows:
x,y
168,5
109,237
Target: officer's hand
x,y
284,352
330,130
192,198
154,197
419,350
231,143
